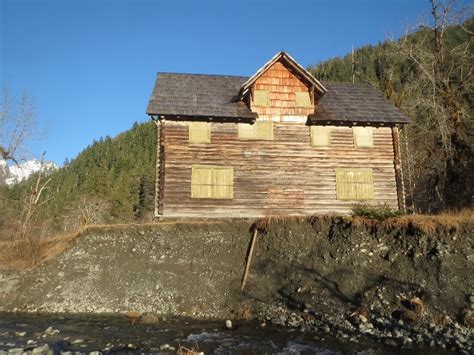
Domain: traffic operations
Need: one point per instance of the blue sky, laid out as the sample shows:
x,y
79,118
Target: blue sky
x,y
90,65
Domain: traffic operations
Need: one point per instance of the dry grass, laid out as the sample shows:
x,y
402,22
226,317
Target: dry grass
x,y
21,255
27,254
447,222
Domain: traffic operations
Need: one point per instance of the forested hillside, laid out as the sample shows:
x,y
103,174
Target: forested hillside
x,y
429,76
112,180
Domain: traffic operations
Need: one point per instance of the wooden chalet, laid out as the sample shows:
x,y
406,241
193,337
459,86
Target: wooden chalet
x,y
277,143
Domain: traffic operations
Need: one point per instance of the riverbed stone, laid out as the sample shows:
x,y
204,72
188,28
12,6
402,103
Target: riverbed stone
x,y
43,349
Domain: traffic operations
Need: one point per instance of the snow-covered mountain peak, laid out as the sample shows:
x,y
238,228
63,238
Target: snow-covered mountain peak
x,y
13,174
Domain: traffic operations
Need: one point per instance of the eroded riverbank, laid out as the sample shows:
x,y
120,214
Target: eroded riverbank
x,y
399,287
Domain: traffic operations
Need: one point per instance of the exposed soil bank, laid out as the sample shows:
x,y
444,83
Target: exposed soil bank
x,y
324,270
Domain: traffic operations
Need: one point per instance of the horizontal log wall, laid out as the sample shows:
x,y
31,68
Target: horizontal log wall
x,y
286,176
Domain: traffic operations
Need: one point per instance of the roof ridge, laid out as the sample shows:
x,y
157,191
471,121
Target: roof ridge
x,y
201,74
346,82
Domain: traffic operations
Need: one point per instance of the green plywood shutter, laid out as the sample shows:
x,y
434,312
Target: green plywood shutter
x,y
212,182
363,137
303,99
261,98
354,184
320,136
199,132
259,130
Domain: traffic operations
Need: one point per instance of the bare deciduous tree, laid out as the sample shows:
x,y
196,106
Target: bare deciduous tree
x,y
443,76
17,125
33,201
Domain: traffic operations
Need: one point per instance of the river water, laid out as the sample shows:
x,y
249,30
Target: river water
x,y
115,334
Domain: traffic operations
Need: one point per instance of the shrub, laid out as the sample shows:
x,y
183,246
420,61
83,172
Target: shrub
x,y
380,212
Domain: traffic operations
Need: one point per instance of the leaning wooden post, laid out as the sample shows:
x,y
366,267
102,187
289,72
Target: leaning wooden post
x,y
249,258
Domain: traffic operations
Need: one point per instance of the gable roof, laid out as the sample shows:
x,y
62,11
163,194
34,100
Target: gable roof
x,y
196,95
295,67
349,102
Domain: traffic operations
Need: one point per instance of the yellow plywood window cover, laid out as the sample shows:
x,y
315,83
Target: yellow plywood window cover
x,y
199,132
354,184
261,98
215,182
303,99
363,137
258,130
320,136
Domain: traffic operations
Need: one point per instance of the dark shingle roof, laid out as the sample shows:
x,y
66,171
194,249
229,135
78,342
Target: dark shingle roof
x,y
198,95
212,96
356,103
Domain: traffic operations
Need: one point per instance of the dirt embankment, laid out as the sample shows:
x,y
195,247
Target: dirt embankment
x,y
321,266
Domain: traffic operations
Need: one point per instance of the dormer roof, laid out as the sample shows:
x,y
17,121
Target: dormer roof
x,y
292,65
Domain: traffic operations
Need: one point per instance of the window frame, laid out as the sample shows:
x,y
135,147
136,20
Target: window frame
x,y
212,186
312,134
255,126
308,101
356,131
259,92
340,194
192,126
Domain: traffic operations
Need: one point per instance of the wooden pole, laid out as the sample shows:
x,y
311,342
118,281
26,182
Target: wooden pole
x,y
249,259
398,169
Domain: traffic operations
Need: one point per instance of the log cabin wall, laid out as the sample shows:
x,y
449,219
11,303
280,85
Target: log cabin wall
x,y
285,176
281,85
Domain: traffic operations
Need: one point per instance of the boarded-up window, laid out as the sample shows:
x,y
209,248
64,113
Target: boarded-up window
x,y
303,99
320,136
363,137
354,184
260,98
212,182
199,132
258,130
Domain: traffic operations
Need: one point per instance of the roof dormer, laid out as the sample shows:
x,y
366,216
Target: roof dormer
x,y
282,90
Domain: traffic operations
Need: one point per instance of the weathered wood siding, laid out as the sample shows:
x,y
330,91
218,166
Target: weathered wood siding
x,y
281,85
286,176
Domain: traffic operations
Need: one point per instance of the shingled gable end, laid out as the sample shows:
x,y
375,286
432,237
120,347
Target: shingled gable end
x,y
277,143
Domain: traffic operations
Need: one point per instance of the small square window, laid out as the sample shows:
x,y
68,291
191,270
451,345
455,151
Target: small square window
x,y
258,130
303,99
363,137
199,132
261,98
320,136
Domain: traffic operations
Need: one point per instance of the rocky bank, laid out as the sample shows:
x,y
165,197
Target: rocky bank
x,y
398,286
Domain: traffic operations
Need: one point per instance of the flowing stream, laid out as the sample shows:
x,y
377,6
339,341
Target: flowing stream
x,y
115,334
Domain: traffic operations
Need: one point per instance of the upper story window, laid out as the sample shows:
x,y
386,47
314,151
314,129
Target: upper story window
x,y
320,136
261,98
199,132
363,137
302,99
258,130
